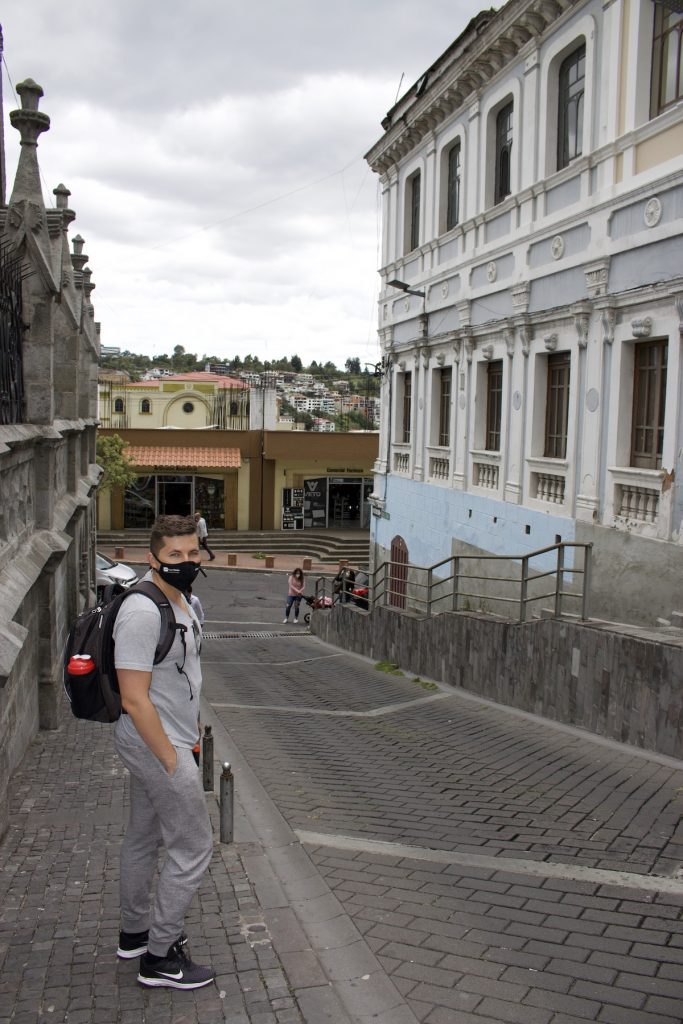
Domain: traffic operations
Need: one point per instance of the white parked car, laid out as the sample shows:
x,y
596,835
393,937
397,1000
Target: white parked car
x,y
108,572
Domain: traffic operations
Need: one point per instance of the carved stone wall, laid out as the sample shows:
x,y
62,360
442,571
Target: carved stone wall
x,y
47,472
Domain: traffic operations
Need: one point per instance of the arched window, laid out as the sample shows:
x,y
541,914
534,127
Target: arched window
x,y
119,405
453,187
503,178
145,406
412,212
570,107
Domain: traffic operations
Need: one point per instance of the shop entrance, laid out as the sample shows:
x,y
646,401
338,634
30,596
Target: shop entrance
x,y
150,496
174,495
336,503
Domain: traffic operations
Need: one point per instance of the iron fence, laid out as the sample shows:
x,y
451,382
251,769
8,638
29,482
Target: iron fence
x,y
11,335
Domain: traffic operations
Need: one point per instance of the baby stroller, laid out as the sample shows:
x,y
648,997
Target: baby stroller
x,y
323,601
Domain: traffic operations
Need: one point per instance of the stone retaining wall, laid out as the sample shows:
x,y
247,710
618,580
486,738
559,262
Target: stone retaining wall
x,y
617,685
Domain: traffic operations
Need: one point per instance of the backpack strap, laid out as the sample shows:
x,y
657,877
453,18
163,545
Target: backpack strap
x,y
169,626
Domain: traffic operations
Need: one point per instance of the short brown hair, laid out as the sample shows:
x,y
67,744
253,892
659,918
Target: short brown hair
x,y
169,526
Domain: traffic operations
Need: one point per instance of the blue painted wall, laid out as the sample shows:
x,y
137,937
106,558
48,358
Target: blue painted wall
x,y
429,518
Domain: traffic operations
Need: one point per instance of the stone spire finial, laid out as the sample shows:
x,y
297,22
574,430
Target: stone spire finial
x,y
62,193
78,257
29,122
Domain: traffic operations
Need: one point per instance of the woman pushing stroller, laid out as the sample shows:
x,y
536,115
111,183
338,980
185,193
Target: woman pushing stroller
x,y
295,592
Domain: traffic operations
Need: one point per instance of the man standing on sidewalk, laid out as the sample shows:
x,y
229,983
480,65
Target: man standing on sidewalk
x,y
203,534
154,738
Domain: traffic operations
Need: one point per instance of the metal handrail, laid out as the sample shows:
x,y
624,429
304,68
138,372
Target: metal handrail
x,y
428,592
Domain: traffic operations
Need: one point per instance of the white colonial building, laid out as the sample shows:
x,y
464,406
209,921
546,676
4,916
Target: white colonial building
x,y
532,185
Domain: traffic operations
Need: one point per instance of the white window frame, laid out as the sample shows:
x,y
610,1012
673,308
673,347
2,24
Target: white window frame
x,y
583,31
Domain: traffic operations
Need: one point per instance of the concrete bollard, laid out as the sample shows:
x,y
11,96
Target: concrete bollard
x,y
307,564
119,553
270,561
227,803
207,760
232,559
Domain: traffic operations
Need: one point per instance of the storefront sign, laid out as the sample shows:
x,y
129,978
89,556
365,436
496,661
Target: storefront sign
x,y
315,503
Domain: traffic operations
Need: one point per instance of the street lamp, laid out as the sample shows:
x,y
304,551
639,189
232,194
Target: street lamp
x,y
402,286
423,318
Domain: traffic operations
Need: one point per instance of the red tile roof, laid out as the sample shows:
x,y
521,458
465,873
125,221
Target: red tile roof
x,y
175,457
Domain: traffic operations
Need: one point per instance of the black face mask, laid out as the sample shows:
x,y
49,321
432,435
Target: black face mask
x,y
181,575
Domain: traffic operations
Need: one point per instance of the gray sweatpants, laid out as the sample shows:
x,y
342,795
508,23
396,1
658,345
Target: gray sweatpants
x,y
169,810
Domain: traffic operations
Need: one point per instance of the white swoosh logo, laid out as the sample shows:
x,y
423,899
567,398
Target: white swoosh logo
x,y
175,977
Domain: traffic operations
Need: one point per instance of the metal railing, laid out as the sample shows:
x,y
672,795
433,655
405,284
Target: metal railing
x,y
448,586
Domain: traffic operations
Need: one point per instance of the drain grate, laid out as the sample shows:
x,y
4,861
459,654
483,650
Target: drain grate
x,y
255,636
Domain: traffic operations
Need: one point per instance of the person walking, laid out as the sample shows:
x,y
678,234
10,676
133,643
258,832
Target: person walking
x,y
295,592
154,738
203,534
195,605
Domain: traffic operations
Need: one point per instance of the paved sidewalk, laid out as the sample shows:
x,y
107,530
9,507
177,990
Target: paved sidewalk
x,y
243,560
59,916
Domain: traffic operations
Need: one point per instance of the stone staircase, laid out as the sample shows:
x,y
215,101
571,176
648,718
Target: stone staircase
x,y
320,545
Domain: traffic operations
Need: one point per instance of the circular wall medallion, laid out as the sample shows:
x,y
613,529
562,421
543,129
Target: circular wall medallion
x,y
653,212
516,401
491,271
592,399
188,407
557,247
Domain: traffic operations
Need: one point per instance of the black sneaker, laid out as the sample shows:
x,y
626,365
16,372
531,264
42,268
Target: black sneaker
x,y
132,944
176,970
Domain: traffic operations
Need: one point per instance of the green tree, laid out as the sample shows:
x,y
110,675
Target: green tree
x,y
112,457
352,365
296,364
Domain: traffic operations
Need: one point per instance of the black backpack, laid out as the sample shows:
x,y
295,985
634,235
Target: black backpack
x,y
89,672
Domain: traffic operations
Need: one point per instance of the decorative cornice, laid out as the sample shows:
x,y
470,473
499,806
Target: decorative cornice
x,y
464,71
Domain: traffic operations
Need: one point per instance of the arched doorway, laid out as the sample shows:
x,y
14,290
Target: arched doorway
x,y
398,573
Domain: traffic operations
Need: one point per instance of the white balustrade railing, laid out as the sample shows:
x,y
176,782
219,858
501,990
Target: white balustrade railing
x,y
550,488
439,467
401,462
486,474
638,503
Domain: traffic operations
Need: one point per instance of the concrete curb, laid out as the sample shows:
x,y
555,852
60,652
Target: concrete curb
x,y
334,973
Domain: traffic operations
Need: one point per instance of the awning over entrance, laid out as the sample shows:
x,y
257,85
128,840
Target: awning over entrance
x,y
188,458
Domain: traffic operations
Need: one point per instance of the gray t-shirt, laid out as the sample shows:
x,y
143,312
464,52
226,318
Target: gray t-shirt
x,y
174,694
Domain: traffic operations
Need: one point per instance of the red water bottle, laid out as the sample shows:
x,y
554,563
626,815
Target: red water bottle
x,y
80,665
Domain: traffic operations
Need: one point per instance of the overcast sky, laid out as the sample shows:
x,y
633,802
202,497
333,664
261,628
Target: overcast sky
x,y
214,152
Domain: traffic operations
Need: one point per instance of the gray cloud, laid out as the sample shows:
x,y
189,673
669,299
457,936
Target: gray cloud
x,y
214,154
